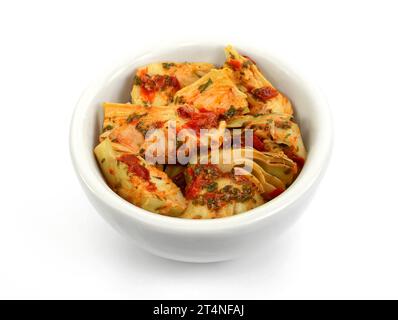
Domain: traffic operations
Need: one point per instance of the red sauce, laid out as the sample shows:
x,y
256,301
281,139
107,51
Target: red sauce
x,y
192,190
249,88
213,196
207,174
134,166
160,81
179,180
198,120
151,187
185,112
258,144
173,82
273,194
158,124
298,160
240,179
235,64
265,93
151,84
147,95
204,120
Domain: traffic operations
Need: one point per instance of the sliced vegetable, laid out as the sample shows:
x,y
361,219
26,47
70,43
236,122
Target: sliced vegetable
x,y
138,182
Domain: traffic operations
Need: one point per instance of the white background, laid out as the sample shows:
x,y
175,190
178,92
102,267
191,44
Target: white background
x,y
54,245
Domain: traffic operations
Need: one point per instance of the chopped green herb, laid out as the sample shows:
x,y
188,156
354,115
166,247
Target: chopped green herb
x,y
137,81
230,112
107,128
179,100
141,128
197,170
247,63
198,73
135,116
283,124
212,204
227,188
168,65
103,160
246,189
199,201
212,186
204,86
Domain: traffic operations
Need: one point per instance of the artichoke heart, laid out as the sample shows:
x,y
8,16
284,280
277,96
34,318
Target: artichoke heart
x,y
138,182
262,96
278,132
212,193
239,180
214,92
156,83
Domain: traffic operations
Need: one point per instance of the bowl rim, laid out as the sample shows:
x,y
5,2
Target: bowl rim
x,y
310,174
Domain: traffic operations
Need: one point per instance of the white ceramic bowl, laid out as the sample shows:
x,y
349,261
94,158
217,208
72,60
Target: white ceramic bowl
x,y
201,240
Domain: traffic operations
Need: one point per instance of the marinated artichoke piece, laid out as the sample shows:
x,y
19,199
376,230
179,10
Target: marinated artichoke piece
x,y
241,180
156,83
214,92
115,115
278,165
212,193
262,96
278,132
274,133
274,169
138,182
135,128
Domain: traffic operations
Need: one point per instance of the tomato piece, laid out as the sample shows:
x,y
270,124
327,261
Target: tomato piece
x,y
185,112
148,95
202,175
235,64
134,166
265,93
151,84
298,160
198,120
258,144
179,180
273,194
193,190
